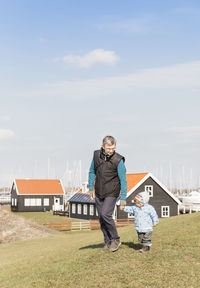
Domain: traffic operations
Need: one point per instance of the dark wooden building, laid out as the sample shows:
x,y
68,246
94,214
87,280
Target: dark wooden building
x,y
82,207
164,202
35,195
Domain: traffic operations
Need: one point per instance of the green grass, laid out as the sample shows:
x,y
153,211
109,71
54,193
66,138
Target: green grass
x,y
73,259
43,217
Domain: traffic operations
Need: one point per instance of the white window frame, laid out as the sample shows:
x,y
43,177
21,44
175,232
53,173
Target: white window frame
x,y
46,202
149,189
15,203
79,209
73,208
26,202
91,210
97,212
85,209
165,211
38,202
32,201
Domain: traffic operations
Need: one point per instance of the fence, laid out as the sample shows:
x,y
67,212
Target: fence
x,y
87,225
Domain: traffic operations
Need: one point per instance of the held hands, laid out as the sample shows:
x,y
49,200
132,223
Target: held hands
x,y
121,207
92,194
154,224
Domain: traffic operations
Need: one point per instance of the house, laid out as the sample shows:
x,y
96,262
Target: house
x,y
81,206
164,202
34,195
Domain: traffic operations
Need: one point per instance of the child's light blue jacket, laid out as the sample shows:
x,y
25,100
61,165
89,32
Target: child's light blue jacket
x,y
144,217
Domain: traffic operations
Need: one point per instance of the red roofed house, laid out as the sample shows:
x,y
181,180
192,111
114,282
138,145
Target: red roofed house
x,y
164,202
34,195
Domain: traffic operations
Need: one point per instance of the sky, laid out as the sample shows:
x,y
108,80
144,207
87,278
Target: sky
x,y
72,72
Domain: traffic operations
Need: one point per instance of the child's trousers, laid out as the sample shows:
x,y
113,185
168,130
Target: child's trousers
x,y
145,238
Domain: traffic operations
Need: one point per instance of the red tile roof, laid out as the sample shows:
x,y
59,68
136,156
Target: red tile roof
x,y
37,186
134,179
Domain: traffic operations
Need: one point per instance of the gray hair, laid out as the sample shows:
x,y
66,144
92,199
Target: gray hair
x,y
110,140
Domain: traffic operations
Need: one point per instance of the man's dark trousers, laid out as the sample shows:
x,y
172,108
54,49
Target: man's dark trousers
x,y
105,208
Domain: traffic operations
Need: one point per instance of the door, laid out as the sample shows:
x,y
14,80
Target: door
x,y
56,204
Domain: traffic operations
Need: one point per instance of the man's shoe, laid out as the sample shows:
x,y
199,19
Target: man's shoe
x,y
144,249
106,247
114,245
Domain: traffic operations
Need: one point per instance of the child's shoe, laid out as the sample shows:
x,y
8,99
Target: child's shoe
x,y
144,249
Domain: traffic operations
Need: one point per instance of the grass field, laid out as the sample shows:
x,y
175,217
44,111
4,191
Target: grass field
x,y
73,259
43,217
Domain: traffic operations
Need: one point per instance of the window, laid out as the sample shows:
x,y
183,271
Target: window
x,y
97,212
73,208
15,201
79,209
165,211
46,201
32,202
85,209
91,210
26,202
149,189
38,202
35,202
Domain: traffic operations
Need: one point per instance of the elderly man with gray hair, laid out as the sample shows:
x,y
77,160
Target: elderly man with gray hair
x,y
107,177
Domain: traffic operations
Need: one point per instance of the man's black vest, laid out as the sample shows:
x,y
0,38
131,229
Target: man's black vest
x,y
107,183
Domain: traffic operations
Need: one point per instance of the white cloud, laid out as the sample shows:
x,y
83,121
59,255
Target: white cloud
x,y
180,76
6,134
4,117
123,119
98,56
186,10
186,131
136,26
42,40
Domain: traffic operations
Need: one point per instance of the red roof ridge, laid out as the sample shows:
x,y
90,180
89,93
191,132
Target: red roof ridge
x,y
39,186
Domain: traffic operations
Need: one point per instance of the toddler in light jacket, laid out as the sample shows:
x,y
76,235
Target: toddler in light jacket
x,y
145,219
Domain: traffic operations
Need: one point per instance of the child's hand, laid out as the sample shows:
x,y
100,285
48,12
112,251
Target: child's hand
x,y
121,207
154,224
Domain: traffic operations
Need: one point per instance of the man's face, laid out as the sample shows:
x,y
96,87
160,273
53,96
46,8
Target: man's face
x,y
109,149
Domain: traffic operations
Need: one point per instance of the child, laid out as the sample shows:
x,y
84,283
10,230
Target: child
x,y
145,219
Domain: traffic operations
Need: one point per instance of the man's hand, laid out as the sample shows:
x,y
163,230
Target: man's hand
x,y
92,194
121,207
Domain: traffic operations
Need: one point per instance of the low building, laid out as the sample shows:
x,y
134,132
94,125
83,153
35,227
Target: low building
x,y
81,206
164,202
35,195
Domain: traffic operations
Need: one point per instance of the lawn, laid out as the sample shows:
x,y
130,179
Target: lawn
x,y
73,259
44,217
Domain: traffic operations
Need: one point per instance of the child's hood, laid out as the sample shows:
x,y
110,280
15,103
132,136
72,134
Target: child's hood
x,y
145,196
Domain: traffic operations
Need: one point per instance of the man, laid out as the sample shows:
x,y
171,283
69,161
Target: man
x,y
108,172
